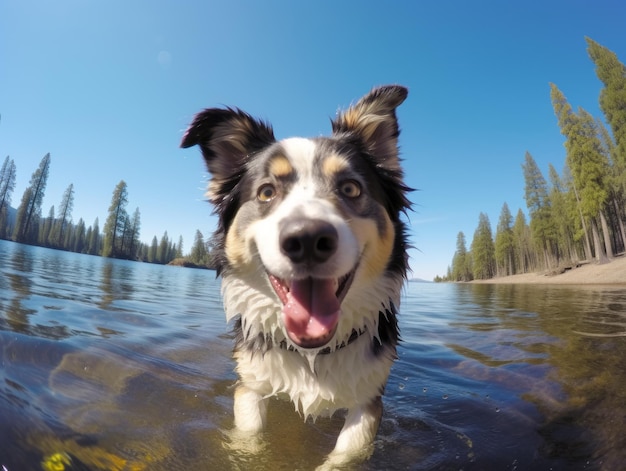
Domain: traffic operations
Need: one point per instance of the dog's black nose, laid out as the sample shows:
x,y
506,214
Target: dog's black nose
x,y
308,240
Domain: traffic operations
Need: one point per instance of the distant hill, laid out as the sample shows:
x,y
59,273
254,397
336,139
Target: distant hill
x,y
419,280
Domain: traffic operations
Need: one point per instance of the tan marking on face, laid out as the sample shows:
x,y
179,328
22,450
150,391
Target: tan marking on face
x,y
334,164
280,166
237,247
377,245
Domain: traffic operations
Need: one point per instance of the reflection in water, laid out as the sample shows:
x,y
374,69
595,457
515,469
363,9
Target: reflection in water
x,y
118,365
116,282
105,363
18,271
586,354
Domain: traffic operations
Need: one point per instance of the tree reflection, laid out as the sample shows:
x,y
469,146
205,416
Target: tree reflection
x,y
581,332
116,283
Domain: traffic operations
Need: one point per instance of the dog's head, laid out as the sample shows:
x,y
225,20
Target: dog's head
x,y
312,218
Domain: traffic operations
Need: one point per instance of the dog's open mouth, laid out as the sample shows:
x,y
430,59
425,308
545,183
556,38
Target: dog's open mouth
x,y
311,307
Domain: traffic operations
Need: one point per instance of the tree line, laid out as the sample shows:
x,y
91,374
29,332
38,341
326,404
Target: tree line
x,y
120,237
579,215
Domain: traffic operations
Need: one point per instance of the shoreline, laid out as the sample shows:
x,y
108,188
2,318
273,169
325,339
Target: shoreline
x,y
611,273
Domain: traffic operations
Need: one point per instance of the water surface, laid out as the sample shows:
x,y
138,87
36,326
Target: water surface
x,y
115,365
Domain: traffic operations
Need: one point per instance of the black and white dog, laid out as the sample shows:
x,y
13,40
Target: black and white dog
x,y
312,251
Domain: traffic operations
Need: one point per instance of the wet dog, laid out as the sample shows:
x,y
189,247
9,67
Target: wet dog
x,y
312,252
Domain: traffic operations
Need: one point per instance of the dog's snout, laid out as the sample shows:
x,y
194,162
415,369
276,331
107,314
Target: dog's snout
x,y
308,240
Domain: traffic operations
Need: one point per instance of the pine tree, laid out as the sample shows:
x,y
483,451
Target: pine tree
x,y
504,246
567,119
122,239
199,254
7,185
589,166
78,237
595,172
563,207
542,224
88,237
612,73
29,212
20,217
461,262
116,222
152,253
132,235
93,240
142,253
483,252
171,251
525,258
64,220
179,247
45,231
616,181
163,250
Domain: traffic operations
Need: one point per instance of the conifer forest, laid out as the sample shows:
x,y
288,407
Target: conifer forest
x,y
119,238
575,216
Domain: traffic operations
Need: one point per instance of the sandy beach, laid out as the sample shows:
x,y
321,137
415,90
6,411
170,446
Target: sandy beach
x,y
610,273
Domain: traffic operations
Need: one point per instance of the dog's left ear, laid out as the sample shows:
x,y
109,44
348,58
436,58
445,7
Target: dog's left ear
x,y
227,138
373,120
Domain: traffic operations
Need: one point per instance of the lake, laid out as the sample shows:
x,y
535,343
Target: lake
x,y
117,365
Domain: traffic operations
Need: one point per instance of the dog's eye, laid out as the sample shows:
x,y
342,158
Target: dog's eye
x,y
350,189
266,193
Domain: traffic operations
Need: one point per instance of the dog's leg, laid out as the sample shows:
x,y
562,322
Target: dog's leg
x,y
250,410
358,432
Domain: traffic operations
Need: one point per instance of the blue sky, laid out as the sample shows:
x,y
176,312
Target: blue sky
x,y
108,89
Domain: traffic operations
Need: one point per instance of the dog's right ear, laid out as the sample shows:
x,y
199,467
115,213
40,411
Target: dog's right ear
x,y
226,137
373,120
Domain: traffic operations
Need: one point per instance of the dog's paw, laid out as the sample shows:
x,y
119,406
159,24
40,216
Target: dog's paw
x,y
343,461
243,443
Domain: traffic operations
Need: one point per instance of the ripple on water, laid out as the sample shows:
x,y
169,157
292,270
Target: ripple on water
x,y
119,364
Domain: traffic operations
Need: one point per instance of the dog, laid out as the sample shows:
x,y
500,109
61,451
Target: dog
x,y
312,252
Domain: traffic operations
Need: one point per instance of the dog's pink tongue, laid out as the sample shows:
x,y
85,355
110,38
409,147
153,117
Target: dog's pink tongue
x,y
311,311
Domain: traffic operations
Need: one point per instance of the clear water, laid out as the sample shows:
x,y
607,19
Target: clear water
x,y
114,365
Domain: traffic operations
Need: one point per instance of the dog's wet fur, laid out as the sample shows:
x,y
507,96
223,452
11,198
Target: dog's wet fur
x,y
311,248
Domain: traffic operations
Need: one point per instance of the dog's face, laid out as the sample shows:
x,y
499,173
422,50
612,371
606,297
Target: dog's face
x,y
310,217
